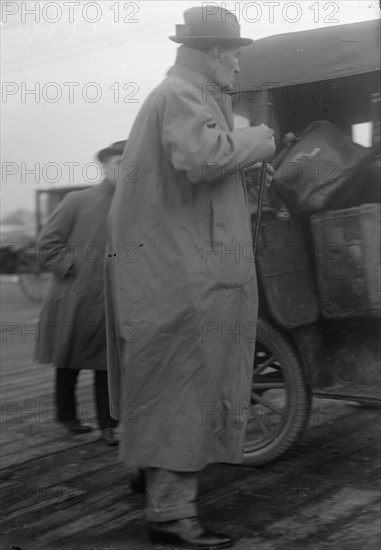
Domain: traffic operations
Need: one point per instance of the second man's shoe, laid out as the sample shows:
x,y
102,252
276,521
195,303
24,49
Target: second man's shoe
x,y
188,533
110,437
77,427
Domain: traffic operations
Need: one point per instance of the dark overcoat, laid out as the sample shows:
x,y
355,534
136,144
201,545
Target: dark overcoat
x,y
72,245
183,286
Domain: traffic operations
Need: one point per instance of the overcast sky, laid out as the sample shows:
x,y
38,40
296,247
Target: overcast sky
x,y
92,64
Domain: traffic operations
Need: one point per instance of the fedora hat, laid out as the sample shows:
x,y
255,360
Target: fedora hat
x,y
210,24
116,148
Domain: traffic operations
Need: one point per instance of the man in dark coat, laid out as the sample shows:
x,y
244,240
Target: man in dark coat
x,y
72,321
184,294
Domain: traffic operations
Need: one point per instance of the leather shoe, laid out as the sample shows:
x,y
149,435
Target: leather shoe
x,y
188,533
77,427
138,482
109,436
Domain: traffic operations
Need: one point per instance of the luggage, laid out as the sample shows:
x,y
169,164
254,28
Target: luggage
x,y
347,247
322,170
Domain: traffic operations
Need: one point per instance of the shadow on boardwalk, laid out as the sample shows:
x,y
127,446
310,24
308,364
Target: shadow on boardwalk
x,y
70,492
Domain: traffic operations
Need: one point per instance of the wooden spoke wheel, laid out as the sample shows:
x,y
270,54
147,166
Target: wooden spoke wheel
x,y
280,398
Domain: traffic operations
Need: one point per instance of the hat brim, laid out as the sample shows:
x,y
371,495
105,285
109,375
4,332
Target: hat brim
x,y
234,41
104,154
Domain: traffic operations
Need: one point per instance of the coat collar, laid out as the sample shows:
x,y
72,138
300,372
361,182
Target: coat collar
x,y
197,67
198,62
107,185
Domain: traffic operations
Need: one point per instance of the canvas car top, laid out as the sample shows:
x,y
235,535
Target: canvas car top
x,y
310,56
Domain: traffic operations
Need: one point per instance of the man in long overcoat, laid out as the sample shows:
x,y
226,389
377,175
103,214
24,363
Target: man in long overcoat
x,y
72,332
181,278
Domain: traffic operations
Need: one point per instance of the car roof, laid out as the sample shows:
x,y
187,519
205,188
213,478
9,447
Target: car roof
x,y
310,56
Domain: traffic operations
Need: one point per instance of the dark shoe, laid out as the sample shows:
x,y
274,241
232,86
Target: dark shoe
x,y
109,436
138,482
76,427
188,533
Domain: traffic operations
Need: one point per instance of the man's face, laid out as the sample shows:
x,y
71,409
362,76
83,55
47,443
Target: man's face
x,y
228,60
111,168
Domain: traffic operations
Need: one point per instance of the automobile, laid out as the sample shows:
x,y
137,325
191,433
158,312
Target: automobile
x,y
313,345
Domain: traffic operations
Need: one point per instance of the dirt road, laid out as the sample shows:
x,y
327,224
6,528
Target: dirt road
x,y
62,491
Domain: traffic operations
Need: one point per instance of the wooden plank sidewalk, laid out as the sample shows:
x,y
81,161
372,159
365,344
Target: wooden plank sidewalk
x,y
70,492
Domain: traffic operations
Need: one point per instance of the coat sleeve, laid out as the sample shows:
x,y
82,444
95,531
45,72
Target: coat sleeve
x,y
56,252
195,142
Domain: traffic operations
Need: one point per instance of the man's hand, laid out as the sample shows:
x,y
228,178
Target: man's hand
x,y
265,132
263,137
289,139
253,174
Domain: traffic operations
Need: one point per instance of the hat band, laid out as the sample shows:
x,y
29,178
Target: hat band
x,y
212,29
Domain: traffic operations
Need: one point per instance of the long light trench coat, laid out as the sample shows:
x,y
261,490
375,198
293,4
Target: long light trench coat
x,y
182,289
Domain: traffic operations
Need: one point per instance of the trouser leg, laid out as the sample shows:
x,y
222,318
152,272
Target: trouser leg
x,y
170,495
66,380
102,400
